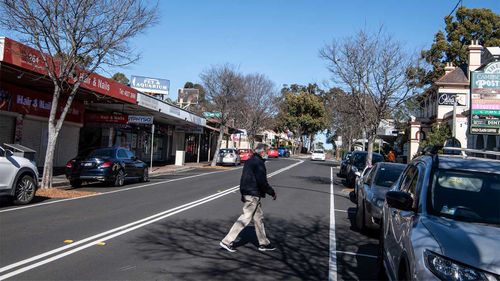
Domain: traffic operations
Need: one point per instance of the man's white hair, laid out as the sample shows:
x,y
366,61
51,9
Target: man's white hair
x,y
259,148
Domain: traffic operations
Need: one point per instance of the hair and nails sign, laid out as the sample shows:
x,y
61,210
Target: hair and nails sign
x,y
485,100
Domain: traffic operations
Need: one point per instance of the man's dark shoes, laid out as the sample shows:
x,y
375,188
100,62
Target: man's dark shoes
x,y
227,247
268,247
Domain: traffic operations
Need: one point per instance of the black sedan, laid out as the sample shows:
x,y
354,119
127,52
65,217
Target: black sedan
x,y
343,165
110,165
371,193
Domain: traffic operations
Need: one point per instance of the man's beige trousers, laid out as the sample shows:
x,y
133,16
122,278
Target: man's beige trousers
x,y
252,210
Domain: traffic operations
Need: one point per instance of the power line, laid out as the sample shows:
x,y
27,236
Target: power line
x,y
456,6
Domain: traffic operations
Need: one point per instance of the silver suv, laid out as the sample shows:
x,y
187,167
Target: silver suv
x,y
18,177
441,220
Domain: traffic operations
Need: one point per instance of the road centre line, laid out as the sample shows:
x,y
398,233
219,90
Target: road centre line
x,y
116,232
332,267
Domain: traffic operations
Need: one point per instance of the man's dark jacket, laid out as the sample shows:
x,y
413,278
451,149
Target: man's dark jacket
x,y
254,178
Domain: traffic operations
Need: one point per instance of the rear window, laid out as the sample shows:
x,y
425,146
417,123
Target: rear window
x,y
105,152
318,151
244,150
386,176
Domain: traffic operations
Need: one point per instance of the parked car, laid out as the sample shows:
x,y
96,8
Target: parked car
x,y
272,152
245,154
441,220
18,177
357,163
283,152
371,193
343,165
228,156
111,165
318,154
360,180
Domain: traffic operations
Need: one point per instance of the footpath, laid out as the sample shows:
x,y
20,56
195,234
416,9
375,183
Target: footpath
x,y
60,181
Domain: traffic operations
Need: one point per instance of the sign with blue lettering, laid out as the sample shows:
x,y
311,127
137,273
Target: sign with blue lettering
x,y
150,85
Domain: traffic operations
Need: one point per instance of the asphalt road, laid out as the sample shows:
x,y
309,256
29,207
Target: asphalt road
x,y
169,229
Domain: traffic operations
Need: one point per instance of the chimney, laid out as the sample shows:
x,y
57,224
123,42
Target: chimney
x,y
448,68
475,51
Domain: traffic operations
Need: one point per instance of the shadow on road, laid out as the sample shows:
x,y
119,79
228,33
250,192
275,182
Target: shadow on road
x,y
302,250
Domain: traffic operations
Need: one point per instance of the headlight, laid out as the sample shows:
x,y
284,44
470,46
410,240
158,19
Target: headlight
x,y
449,270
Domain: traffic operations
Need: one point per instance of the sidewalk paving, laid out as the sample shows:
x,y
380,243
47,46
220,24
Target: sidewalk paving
x,y
60,181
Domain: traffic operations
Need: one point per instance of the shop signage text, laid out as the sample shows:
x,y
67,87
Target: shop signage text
x,y
138,119
449,99
26,57
485,100
96,117
150,85
189,129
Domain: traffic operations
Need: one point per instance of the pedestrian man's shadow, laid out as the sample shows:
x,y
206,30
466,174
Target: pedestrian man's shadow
x,y
247,236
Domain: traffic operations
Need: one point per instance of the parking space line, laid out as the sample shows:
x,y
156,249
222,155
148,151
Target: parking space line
x,y
332,272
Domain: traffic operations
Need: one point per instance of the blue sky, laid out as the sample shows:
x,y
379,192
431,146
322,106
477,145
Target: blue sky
x,y
279,38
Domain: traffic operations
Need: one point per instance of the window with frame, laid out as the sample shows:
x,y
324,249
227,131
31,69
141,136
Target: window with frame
x,y
122,154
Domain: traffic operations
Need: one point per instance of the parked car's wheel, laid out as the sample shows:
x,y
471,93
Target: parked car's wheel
x,y
360,216
145,175
120,178
25,190
287,154
75,183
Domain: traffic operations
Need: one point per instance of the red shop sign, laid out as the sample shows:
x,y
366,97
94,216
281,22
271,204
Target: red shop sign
x,y
29,102
26,57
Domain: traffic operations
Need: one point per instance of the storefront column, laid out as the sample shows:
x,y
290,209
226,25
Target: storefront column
x,y
111,136
199,149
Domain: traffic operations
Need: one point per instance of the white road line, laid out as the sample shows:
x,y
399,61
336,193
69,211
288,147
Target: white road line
x,y
332,273
110,192
357,254
342,211
91,241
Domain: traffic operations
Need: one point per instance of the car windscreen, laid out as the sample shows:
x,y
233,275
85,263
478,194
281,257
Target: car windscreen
x,y
466,195
104,152
318,151
359,160
244,151
386,176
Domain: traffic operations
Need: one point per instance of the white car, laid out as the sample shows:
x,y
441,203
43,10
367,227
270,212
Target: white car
x,y
318,154
18,177
229,156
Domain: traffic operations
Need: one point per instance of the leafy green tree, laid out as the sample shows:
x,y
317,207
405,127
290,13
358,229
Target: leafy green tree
x,y
120,77
437,136
467,25
302,112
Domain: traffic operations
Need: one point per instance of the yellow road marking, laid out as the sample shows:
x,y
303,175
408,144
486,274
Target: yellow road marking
x,y
68,241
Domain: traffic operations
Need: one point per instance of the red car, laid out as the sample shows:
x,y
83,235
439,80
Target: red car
x,y
272,152
245,154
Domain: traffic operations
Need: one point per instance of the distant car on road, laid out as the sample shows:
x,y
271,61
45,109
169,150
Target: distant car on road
x,y
357,164
318,154
441,220
229,156
371,193
18,177
272,152
283,152
111,165
343,165
245,154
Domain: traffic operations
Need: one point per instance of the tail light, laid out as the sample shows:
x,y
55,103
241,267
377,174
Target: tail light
x,y
106,164
69,165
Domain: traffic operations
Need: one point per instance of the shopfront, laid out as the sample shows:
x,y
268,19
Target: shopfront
x,y
24,115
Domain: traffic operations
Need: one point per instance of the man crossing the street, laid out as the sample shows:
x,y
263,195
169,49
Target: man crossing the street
x,y
253,187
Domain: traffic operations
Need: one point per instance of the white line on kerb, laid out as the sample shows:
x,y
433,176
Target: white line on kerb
x,y
107,235
332,273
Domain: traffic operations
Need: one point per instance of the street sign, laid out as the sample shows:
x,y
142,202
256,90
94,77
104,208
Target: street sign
x,y
212,114
485,100
138,119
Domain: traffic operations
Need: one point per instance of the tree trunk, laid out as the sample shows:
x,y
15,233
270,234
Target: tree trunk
x,y
371,140
217,149
49,156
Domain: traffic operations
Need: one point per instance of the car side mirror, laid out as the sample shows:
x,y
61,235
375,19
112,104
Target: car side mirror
x,y
399,200
8,153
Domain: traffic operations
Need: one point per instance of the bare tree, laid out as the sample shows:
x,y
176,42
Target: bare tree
x,y
224,91
75,38
257,106
372,68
